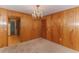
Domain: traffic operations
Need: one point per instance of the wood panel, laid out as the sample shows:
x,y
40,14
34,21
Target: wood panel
x,y
3,28
36,27
26,28
48,21
29,28
57,20
76,25
69,29
62,28
43,28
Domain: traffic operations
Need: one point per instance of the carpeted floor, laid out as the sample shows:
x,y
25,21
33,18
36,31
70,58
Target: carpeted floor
x,y
38,45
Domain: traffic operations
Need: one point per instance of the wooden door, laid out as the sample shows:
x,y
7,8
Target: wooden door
x,y
43,28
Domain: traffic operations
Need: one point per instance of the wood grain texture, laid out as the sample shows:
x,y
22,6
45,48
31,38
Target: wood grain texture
x,y
3,28
29,28
43,28
63,28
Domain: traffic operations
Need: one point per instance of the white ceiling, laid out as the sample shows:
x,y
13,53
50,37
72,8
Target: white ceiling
x,y
47,9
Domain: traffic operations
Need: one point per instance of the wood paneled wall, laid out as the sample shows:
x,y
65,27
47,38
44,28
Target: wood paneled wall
x,y
63,28
30,28
3,28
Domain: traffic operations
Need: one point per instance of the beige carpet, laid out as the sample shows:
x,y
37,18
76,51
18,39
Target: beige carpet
x,y
38,45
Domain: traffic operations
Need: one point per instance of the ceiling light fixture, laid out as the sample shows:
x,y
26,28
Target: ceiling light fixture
x,y
37,12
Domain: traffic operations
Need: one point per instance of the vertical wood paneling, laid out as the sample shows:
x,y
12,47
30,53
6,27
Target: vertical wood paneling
x,y
43,28
48,21
69,29
36,28
26,27
77,29
63,28
3,28
29,28
57,28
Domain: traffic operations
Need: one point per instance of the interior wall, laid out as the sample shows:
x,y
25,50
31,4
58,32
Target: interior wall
x,y
3,28
29,28
63,28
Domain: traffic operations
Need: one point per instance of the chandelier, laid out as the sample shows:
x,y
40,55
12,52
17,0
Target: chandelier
x,y
37,12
